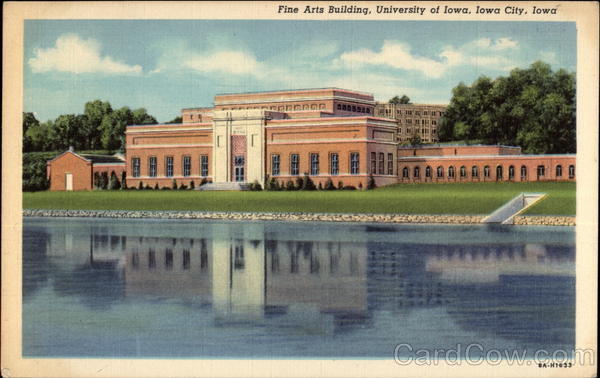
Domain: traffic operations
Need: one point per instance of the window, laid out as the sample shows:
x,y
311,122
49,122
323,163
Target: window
x,y
344,107
440,172
425,112
428,171
405,172
203,165
390,164
381,163
368,110
373,162
511,172
523,172
541,171
339,106
463,171
486,171
571,171
135,164
151,259
499,172
152,166
451,172
186,259
353,108
314,164
275,165
294,164
334,164
169,165
354,163
559,170
416,172
187,165
169,259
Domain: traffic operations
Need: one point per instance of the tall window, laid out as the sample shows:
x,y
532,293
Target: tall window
x,y
354,163
541,171
373,162
294,164
203,165
416,172
511,172
169,165
571,171
390,164
559,171
440,172
499,172
334,164
187,165
381,163
463,171
152,166
428,171
405,172
314,164
275,165
523,172
135,164
451,172
486,171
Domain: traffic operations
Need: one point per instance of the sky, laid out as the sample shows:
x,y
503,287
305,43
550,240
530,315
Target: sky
x,y
165,66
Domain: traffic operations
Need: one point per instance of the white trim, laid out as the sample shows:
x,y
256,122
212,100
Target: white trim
x,y
274,99
335,122
462,157
165,177
140,146
130,131
111,164
324,141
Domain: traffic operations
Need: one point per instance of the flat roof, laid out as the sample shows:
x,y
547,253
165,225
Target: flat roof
x,y
296,90
438,145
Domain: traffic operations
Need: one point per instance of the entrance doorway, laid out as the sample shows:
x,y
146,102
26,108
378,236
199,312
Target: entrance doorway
x,y
238,168
69,181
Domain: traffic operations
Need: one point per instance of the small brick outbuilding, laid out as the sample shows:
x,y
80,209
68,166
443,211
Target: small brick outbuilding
x,y
73,171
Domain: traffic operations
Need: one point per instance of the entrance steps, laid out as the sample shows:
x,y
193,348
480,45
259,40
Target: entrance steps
x,y
505,214
224,186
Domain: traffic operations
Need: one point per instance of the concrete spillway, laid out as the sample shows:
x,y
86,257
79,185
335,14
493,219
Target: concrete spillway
x,y
506,213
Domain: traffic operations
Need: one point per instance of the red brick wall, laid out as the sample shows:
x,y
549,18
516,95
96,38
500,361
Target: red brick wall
x,y
458,150
70,163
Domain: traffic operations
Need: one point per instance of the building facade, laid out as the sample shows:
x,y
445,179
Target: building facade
x,y
326,134
413,120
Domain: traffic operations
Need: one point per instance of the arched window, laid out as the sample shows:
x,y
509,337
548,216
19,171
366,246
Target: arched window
x,y
499,172
305,107
463,171
523,172
486,171
541,171
405,172
428,171
451,172
571,171
416,172
511,172
474,171
440,172
559,170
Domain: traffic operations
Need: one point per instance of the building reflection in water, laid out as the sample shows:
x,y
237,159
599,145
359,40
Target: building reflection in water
x,y
249,275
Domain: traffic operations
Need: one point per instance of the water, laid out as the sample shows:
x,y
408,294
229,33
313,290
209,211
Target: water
x,y
219,289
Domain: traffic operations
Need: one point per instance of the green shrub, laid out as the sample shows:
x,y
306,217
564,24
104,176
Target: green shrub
x,y
329,184
371,183
290,185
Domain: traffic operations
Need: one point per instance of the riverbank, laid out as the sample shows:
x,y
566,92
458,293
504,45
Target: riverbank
x,y
301,217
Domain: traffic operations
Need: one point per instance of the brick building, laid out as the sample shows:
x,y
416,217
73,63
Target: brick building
x,y
73,171
326,133
420,120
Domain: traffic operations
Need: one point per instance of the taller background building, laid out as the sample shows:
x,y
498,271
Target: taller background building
x,y
326,133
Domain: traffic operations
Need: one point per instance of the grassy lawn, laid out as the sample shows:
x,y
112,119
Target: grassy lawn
x,y
469,198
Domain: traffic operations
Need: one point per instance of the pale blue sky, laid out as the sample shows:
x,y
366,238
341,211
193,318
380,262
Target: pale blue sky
x,y
164,66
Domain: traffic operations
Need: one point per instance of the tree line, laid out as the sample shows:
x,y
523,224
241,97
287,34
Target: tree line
x,y
99,127
533,108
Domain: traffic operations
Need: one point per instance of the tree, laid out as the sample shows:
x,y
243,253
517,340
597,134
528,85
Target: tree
x,y
113,127
308,183
141,117
113,183
104,180
415,140
177,119
533,108
95,111
400,100
40,137
29,121
329,184
68,130
371,183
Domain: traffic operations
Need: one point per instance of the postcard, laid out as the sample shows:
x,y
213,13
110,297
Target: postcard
x,y
299,189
